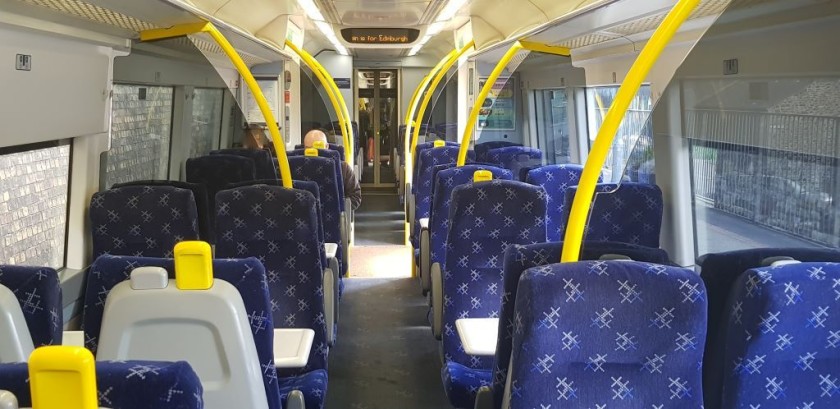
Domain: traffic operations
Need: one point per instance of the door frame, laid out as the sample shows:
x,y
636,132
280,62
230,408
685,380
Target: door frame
x,y
376,121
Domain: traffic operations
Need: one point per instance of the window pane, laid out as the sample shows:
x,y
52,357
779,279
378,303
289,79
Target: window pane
x,y
206,121
553,126
33,206
631,155
765,179
141,125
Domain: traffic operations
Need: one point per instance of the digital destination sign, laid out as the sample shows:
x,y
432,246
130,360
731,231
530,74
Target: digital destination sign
x,y
380,35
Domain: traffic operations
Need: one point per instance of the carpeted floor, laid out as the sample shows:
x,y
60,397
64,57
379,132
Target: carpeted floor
x,y
385,356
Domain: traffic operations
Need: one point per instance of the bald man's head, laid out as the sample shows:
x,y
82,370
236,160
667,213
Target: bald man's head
x,y
313,136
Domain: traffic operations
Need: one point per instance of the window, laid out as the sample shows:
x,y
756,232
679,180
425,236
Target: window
x,y
141,126
631,156
553,125
33,204
767,178
206,121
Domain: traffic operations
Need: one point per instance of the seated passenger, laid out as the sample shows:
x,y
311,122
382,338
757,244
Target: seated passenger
x,y
352,189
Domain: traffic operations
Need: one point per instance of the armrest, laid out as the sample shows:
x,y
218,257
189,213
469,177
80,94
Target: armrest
x,y
425,259
7,400
437,300
331,249
484,398
73,338
478,335
424,223
292,347
330,298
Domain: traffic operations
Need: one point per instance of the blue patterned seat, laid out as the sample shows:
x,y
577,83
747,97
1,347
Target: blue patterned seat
x,y
556,180
447,178
485,219
782,347
279,227
264,165
199,194
317,169
420,148
626,213
427,160
39,293
481,149
519,258
125,385
248,276
515,158
216,172
720,271
335,157
142,220
608,334
330,146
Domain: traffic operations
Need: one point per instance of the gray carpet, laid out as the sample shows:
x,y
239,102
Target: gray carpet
x,y
386,356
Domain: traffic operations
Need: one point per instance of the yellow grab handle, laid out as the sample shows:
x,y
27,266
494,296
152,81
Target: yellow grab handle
x,y
62,377
193,265
310,152
439,143
601,147
482,176
319,145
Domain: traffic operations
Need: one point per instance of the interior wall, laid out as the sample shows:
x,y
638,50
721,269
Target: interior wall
x,y
411,78
340,66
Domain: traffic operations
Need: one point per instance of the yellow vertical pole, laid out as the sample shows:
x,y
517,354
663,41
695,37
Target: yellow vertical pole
x,y
600,148
482,96
244,72
344,111
329,85
435,82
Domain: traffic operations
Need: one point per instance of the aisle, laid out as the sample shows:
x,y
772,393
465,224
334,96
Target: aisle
x,y
385,357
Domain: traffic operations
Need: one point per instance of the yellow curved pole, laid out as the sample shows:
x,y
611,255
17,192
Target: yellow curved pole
x,y
600,148
347,120
491,81
482,96
434,84
326,80
409,153
244,72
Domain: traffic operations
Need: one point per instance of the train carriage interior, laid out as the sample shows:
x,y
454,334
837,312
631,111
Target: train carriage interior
x,y
371,204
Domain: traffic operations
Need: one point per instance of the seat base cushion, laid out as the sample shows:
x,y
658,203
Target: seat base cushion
x,y
313,385
462,383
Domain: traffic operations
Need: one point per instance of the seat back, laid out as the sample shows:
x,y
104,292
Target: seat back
x,y
15,341
422,186
249,280
38,293
556,180
783,338
617,333
626,213
218,171
515,157
279,227
199,194
330,146
519,258
421,147
485,218
153,322
316,169
124,385
481,149
446,180
264,166
142,220
335,157
720,272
